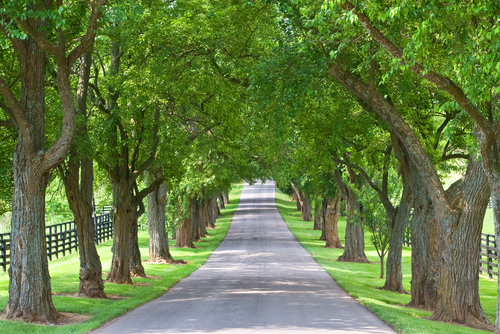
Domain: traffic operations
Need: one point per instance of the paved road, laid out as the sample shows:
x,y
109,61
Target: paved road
x,y
259,280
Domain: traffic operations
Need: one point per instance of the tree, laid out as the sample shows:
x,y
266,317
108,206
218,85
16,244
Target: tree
x,y
29,287
377,222
468,96
78,177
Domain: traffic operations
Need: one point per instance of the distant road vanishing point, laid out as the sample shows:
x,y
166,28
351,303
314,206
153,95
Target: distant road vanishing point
x,y
259,280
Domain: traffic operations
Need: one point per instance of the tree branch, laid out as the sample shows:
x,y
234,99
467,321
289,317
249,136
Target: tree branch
x,y
42,42
154,147
146,191
441,81
88,38
16,111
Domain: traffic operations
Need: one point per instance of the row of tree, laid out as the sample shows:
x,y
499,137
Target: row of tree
x,y
383,98
372,103
116,94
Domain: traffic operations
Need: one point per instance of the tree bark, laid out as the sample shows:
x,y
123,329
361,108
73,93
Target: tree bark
x,y
306,208
394,276
30,296
198,216
332,212
210,214
136,267
158,239
221,202
300,199
216,209
459,301
324,203
317,217
123,221
225,195
496,221
184,234
424,246
295,198
354,249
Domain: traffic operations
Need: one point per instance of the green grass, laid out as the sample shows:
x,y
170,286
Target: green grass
x,y
64,279
362,280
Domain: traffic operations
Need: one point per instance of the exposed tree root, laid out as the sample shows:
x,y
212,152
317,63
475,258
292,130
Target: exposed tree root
x,y
335,246
481,323
166,261
342,258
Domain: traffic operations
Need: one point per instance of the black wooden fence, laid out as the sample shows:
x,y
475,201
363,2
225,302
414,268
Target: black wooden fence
x,y
488,257
61,238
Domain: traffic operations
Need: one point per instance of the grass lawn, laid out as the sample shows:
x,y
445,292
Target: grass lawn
x,y
362,280
64,279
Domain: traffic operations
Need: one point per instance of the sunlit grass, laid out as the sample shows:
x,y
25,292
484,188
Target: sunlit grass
x,y
362,280
64,279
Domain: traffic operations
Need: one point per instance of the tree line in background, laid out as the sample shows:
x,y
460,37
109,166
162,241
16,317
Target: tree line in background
x,y
364,106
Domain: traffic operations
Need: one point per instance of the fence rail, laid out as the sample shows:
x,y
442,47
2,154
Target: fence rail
x,y
61,238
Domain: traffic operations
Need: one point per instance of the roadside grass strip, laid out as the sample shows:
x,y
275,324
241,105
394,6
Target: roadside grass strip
x,y
362,281
64,280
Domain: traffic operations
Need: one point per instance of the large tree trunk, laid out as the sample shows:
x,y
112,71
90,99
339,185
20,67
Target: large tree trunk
x,y
158,239
136,267
123,219
295,198
306,208
300,199
354,248
184,234
317,217
424,246
331,213
208,213
394,276
79,193
197,219
496,220
221,202
458,285
80,202
225,195
324,203
216,209
91,282
30,296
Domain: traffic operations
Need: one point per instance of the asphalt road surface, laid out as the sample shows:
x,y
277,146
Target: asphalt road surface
x,y
259,280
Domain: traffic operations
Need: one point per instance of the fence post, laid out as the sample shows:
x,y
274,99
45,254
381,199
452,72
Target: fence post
x,y
95,223
3,253
488,259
